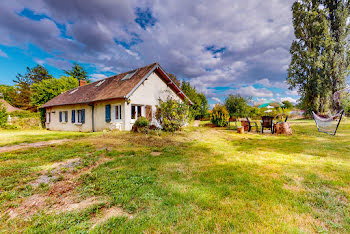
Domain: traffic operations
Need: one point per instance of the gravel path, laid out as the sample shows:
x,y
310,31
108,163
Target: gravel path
x,y
29,145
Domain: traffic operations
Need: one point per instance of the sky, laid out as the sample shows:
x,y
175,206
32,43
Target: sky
x,y
222,47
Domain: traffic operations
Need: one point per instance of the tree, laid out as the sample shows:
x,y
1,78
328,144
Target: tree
x,y
3,116
78,72
237,106
172,115
287,105
173,78
220,115
21,97
45,90
320,53
199,109
6,91
338,64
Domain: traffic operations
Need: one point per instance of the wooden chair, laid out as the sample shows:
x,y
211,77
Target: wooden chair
x,y
267,122
232,119
250,123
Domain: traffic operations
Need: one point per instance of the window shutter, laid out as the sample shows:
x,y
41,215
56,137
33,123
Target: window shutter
x,y
108,113
66,116
73,116
83,116
60,116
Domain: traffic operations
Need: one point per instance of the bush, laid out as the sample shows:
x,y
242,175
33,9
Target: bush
x,y
220,115
141,125
172,115
142,122
3,116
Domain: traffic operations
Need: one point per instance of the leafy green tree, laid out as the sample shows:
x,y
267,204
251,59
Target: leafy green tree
x,y
287,105
7,91
320,53
45,90
3,116
172,115
338,64
174,78
220,115
199,109
237,105
22,96
78,72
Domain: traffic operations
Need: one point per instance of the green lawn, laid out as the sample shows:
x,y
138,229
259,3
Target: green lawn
x,y
14,137
201,180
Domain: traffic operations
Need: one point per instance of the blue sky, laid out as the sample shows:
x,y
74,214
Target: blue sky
x,y
222,47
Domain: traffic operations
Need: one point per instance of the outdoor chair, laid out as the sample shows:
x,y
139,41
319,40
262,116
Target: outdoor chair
x,y
267,122
250,124
232,120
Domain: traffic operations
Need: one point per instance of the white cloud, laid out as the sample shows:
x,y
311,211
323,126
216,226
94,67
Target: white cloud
x,y
216,99
251,91
270,84
292,92
98,76
292,100
3,54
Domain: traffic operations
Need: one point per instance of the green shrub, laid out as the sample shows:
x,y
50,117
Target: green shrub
x,y
142,122
172,115
220,115
3,116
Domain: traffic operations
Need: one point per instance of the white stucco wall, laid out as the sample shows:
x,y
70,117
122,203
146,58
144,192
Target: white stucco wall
x,y
148,93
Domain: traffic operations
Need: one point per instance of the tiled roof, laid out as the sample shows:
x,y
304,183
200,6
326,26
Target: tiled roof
x,y
114,87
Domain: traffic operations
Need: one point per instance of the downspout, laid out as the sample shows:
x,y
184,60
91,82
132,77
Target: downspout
x,y
92,116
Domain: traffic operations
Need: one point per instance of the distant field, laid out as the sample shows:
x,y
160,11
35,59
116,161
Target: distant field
x,y
13,137
197,180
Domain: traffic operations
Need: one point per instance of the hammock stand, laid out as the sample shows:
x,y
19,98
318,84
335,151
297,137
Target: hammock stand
x,y
322,122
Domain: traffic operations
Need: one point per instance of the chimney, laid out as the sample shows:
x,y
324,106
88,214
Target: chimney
x,y
82,82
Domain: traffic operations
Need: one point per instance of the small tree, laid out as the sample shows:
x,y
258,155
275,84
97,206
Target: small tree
x,y
172,115
45,90
220,115
3,116
237,106
78,72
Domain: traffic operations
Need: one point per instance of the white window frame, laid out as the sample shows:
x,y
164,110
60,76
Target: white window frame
x,y
78,116
136,112
115,117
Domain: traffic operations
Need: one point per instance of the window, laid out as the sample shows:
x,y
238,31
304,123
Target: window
x,y
118,112
129,75
139,111
136,111
63,116
79,116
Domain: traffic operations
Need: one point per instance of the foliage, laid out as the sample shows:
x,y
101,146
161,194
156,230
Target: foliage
x,y
142,122
199,109
220,115
78,72
3,116
320,54
24,114
7,91
172,115
287,105
237,106
42,117
45,90
174,78
21,97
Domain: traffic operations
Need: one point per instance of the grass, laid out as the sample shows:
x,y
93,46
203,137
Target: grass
x,y
14,137
204,180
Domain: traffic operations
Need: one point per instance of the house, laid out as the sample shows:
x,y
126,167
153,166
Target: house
x,y
112,103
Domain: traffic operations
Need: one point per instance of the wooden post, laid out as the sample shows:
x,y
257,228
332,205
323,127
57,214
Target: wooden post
x,y
240,130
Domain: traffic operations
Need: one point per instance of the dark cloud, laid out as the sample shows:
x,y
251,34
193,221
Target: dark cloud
x,y
211,43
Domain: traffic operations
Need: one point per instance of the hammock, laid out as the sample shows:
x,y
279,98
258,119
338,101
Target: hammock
x,y
328,124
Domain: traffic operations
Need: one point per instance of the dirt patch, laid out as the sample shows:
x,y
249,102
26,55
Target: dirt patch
x,y
156,153
108,213
30,145
61,195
